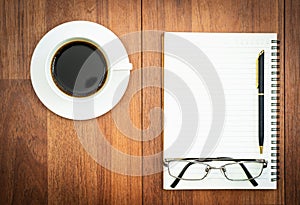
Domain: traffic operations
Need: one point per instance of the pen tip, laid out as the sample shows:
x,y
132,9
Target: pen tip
x,y
261,149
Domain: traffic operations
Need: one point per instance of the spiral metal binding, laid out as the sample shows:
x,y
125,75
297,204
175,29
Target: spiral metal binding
x,y
275,85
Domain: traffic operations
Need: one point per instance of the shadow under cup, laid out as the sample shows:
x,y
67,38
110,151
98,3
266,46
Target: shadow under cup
x,y
79,68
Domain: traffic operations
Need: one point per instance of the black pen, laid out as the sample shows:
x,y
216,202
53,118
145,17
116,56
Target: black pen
x,y
260,86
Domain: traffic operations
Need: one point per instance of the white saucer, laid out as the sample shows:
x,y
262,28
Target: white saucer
x,y
80,108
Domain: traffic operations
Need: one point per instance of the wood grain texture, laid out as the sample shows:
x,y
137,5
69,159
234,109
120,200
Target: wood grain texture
x,y
22,25
292,101
23,141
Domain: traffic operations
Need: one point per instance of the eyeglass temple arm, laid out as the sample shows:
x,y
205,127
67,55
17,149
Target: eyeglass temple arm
x,y
176,181
253,182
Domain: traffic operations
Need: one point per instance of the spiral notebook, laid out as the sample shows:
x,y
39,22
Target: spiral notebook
x,y
211,105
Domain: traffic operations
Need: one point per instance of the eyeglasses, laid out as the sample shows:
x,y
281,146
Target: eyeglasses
x,y
194,169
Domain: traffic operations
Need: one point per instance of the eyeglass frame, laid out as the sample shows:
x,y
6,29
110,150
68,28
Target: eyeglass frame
x,y
221,168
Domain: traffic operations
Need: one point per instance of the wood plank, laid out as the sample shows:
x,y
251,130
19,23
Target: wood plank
x,y
203,16
123,17
21,27
74,177
169,16
72,174
292,101
23,145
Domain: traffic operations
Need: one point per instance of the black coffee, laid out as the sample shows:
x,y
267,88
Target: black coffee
x,y
79,69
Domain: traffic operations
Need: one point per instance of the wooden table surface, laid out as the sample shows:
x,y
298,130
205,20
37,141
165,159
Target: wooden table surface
x,y
41,158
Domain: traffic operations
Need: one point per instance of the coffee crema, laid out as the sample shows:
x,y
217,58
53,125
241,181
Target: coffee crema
x,y
79,69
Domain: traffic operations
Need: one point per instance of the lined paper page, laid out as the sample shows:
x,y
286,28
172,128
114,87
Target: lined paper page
x,y
233,57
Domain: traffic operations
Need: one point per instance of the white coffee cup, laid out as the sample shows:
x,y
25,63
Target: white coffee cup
x,y
96,104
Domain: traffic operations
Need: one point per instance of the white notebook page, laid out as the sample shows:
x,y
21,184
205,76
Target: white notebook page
x,y
233,56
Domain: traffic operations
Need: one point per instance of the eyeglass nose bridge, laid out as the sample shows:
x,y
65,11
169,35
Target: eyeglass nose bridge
x,y
221,168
